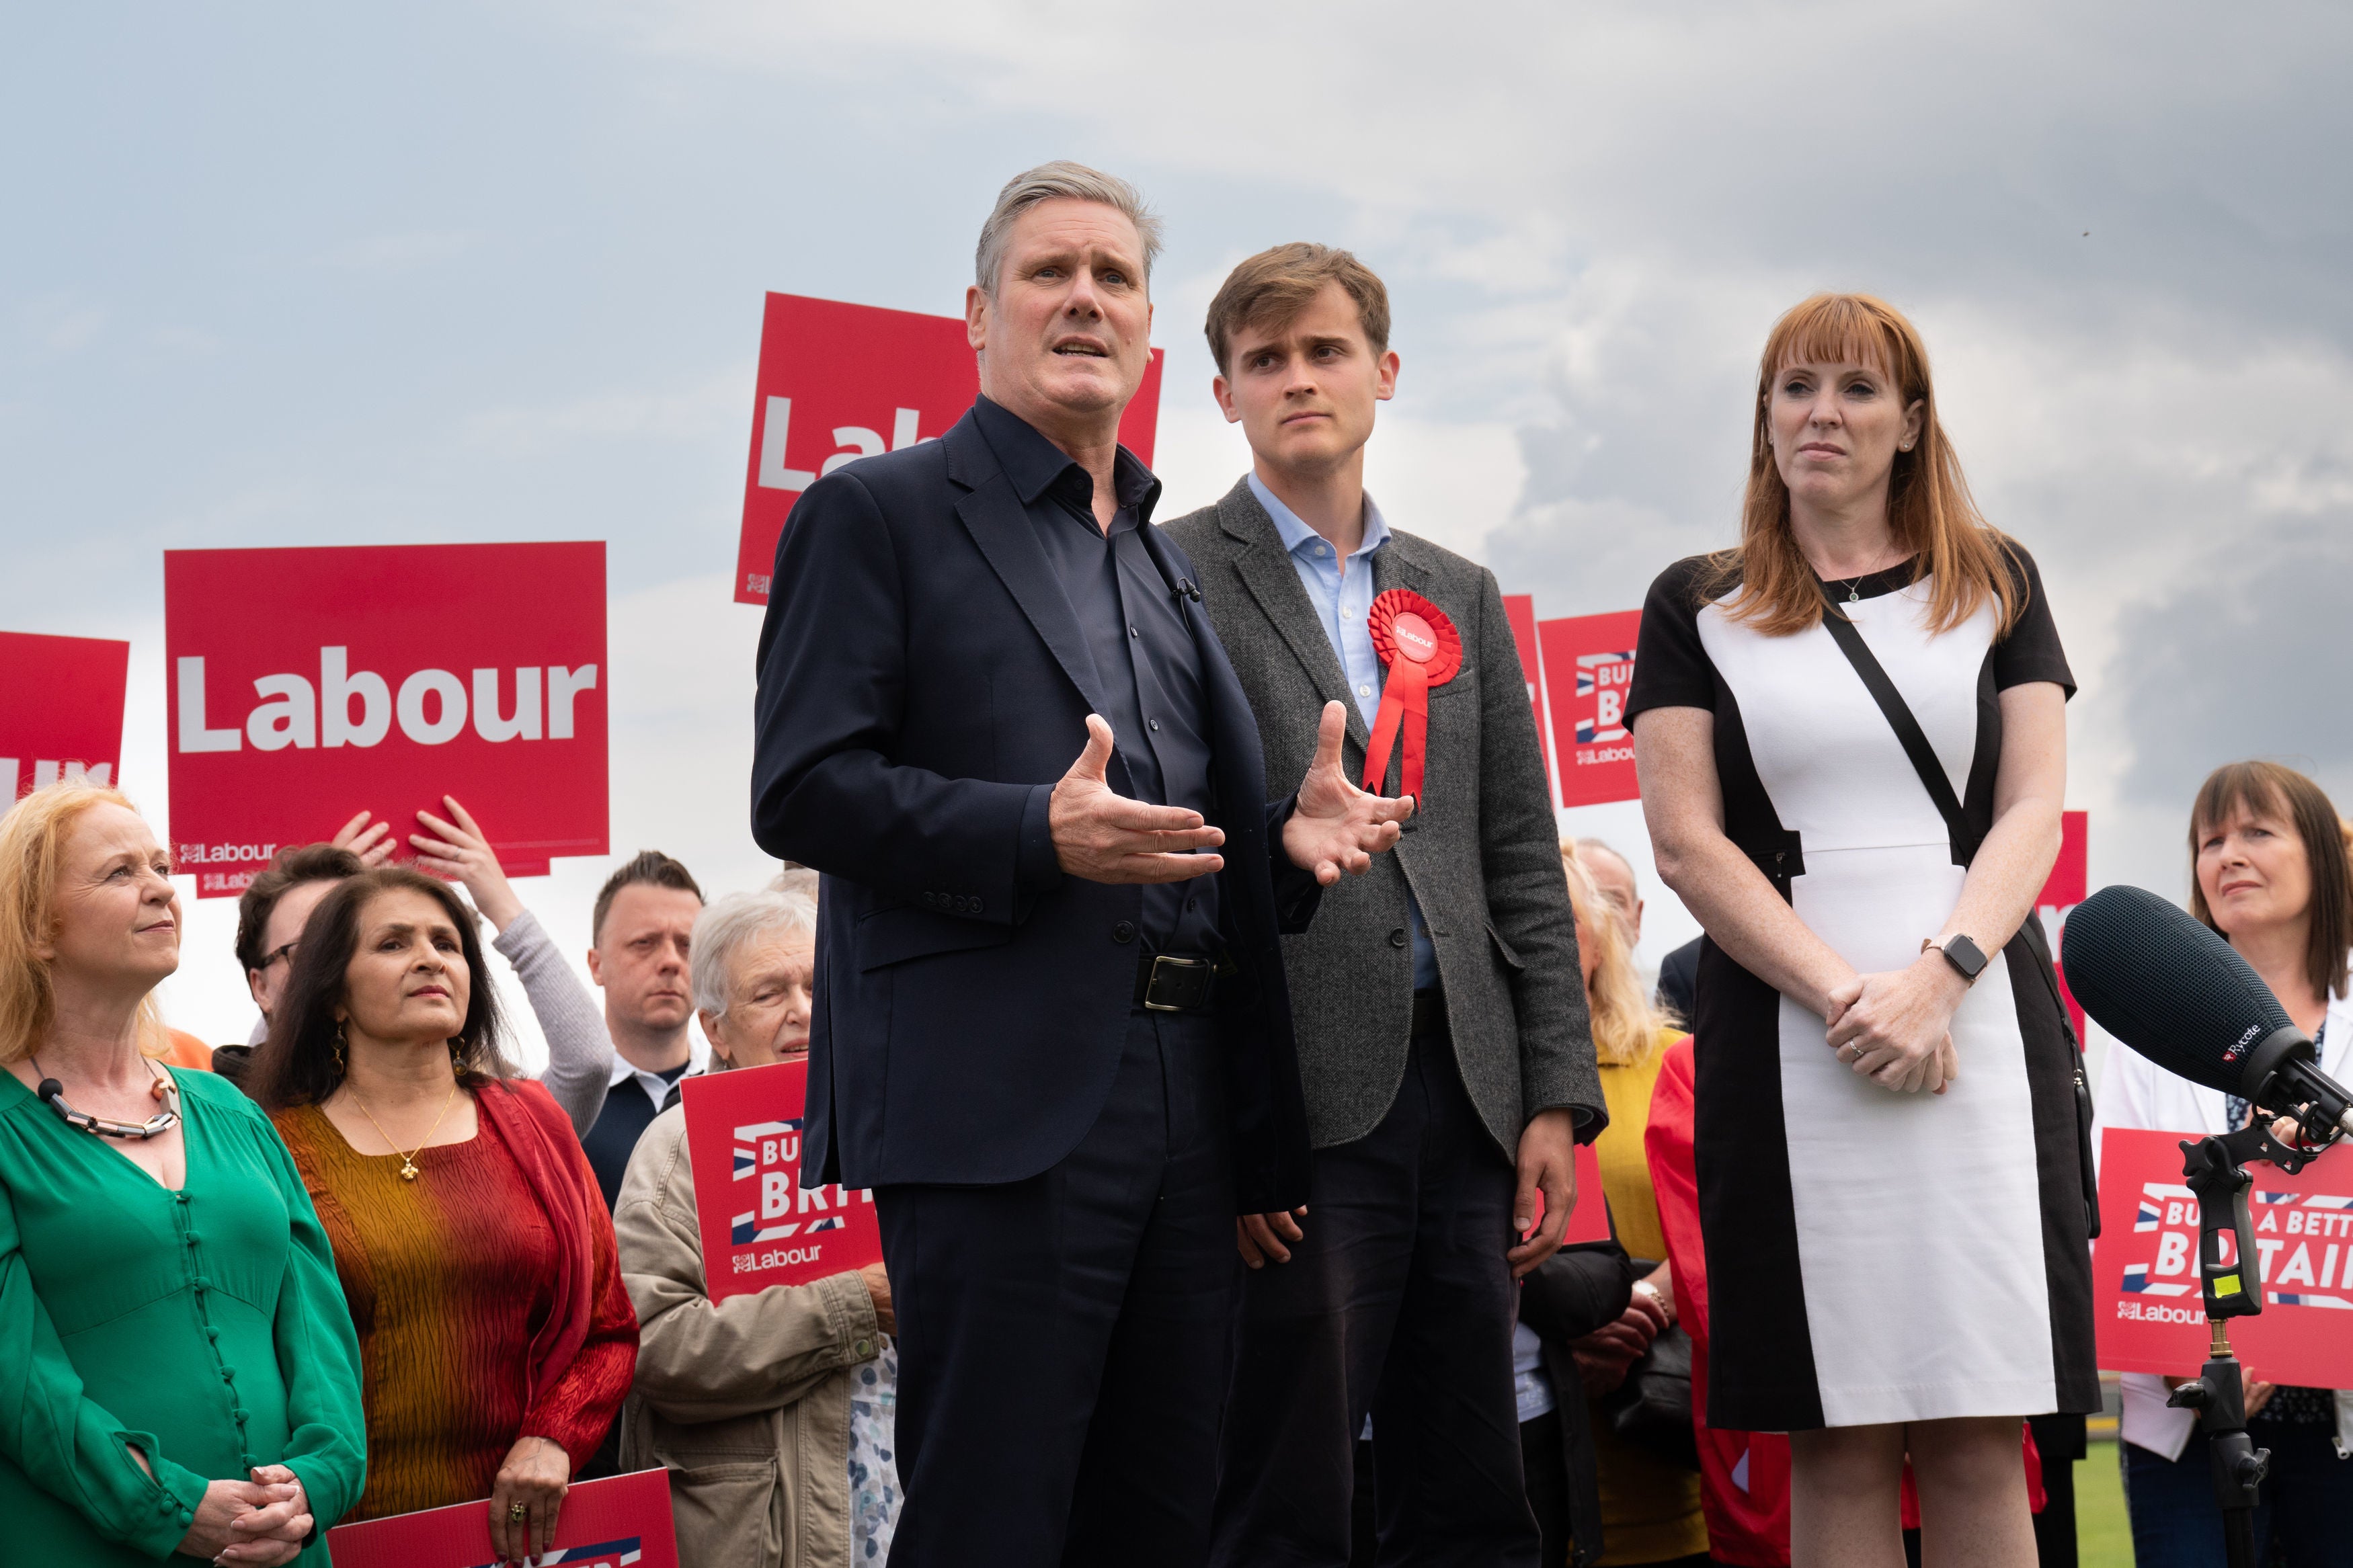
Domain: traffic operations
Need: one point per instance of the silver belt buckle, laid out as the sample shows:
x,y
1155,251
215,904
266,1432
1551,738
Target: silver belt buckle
x,y
1152,985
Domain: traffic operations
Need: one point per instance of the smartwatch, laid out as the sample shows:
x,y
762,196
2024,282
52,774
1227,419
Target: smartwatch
x,y
1966,956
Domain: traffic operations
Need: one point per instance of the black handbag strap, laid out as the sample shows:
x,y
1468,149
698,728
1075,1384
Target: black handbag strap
x,y
1908,733
1965,842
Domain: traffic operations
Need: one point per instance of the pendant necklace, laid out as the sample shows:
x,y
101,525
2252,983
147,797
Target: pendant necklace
x,y
162,1090
407,1161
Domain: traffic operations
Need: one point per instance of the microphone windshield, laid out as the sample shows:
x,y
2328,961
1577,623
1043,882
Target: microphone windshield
x,y
2166,986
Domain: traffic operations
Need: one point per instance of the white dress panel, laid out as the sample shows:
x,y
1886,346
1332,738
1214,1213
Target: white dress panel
x,y
1919,1216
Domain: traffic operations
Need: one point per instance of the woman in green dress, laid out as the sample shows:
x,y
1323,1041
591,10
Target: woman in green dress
x,y
177,1367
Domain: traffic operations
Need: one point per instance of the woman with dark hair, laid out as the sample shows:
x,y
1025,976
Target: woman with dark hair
x,y
277,905
1852,732
2269,871
496,1338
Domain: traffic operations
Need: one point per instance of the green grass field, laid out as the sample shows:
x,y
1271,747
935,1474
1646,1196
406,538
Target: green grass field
x,y
2103,1538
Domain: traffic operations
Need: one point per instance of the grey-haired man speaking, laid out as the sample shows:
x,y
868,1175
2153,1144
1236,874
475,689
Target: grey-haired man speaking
x,y
1052,1027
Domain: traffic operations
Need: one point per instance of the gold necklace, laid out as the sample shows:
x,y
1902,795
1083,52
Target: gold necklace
x,y
407,1161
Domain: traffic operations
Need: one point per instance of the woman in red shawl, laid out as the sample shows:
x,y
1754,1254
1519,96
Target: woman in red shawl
x,y
496,1338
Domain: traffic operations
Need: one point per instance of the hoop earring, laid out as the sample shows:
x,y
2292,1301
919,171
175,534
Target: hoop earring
x,y
341,1065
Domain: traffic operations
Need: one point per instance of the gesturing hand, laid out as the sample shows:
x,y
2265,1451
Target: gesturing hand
x,y
1337,828
458,849
1107,838
1894,1027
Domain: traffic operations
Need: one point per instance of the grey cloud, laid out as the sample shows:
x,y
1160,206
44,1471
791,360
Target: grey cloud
x,y
2245,657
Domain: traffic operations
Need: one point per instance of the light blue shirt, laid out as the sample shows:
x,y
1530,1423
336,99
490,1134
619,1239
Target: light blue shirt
x,y
1342,602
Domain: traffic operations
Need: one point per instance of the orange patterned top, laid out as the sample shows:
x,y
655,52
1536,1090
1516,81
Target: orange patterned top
x,y
449,1279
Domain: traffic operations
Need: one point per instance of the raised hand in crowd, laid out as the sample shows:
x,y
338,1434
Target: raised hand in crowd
x,y
527,1498
456,849
1894,1027
370,841
1104,837
1337,827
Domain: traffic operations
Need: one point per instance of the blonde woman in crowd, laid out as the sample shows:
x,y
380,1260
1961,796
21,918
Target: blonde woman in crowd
x,y
177,1367
1650,1504
771,1410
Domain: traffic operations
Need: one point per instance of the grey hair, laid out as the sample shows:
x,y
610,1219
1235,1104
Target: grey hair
x,y
1060,179
730,924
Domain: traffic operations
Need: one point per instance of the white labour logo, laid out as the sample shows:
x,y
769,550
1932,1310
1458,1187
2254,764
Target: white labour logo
x,y
856,441
350,707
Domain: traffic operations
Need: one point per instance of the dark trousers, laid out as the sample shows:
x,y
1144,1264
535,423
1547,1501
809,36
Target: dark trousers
x,y
2302,1516
1544,1460
1399,1304
1064,1342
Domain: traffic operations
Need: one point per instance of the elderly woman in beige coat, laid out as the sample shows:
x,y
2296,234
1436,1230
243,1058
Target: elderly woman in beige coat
x,y
772,1411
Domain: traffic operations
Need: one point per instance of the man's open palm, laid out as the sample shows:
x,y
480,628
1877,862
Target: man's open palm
x,y
1337,827
1106,837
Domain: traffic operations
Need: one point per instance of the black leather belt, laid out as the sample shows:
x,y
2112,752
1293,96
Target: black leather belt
x,y
1175,981
1428,1012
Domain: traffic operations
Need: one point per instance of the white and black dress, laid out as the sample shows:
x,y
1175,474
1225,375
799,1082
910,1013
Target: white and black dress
x,y
1875,1256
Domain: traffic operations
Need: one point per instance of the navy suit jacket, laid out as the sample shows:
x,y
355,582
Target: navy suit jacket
x,y
923,684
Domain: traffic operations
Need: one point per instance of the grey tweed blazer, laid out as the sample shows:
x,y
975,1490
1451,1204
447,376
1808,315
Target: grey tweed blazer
x,y
1482,855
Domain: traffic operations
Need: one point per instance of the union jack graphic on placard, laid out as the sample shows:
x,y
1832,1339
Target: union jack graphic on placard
x,y
1603,676
747,1161
2138,1283
2154,1196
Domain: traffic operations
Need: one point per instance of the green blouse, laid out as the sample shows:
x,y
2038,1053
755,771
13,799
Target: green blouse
x,y
204,1326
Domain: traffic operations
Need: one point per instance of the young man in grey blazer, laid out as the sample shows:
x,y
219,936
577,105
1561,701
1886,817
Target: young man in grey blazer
x,y
1443,1040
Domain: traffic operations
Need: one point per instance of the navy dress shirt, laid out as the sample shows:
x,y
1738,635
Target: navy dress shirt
x,y
1146,666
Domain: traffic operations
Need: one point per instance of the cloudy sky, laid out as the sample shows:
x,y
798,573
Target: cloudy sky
x,y
279,275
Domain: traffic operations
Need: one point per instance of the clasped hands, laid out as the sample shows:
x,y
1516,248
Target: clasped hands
x,y
1102,836
1895,1027
264,1521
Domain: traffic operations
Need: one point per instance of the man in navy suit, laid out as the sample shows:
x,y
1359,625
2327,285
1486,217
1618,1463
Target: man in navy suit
x,y
1052,1030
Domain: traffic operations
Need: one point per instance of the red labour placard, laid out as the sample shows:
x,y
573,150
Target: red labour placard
x,y
760,1226
306,685
618,1522
841,382
60,710
1520,610
2145,1289
1588,663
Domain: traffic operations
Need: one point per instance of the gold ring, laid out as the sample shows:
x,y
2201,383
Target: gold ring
x,y
517,1513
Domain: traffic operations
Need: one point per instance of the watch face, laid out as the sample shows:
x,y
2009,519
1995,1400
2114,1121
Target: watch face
x,y
1966,956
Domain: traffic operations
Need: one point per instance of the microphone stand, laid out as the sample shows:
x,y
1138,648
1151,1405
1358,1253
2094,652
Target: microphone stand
x,y
2214,1169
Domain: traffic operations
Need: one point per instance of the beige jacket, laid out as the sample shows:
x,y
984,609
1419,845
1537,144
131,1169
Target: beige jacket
x,y
745,1403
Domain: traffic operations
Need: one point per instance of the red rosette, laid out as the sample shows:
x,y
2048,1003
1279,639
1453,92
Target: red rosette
x,y
1421,648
